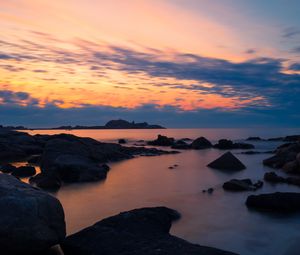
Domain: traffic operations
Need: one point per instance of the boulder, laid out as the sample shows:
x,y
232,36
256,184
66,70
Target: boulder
x,y
140,231
50,182
272,177
275,202
227,162
181,145
24,171
7,168
162,141
242,185
31,220
201,143
225,144
122,141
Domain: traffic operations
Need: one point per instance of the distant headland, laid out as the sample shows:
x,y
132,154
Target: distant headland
x,y
112,124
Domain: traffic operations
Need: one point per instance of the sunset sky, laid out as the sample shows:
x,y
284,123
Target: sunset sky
x,y
180,63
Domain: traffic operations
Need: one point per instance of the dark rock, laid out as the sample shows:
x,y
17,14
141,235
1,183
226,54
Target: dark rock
x,y
210,190
35,160
162,141
7,168
275,139
50,182
123,124
227,162
122,141
274,178
242,185
225,144
181,145
24,171
276,202
292,138
31,220
256,152
141,231
254,138
201,143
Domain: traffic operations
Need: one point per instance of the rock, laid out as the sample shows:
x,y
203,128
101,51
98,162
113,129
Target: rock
x,y
181,145
225,144
31,220
201,143
254,138
275,202
162,141
274,178
24,171
227,162
292,138
138,232
256,152
35,160
210,190
242,185
122,141
275,139
285,157
50,182
7,168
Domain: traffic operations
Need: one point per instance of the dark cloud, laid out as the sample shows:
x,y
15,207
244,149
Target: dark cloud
x,y
295,67
290,32
8,97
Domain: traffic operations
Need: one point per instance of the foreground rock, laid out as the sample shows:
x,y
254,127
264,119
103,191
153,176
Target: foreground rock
x,y
225,144
31,220
138,232
287,157
272,177
162,140
276,202
227,162
242,185
24,171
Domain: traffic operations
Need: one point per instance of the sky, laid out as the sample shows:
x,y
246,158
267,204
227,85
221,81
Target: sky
x,y
179,63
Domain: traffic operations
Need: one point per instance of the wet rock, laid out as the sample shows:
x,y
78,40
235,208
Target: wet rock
x,y
201,143
210,190
275,202
227,162
31,220
141,231
256,152
242,185
7,168
122,141
50,182
225,144
162,141
272,177
24,171
292,138
181,145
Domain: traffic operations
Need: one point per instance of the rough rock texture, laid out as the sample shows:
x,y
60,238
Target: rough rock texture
x,y
242,185
287,157
272,177
162,141
225,144
138,232
276,202
227,162
201,143
30,219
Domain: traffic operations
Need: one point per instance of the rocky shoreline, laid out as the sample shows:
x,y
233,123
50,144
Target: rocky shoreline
x,y
67,158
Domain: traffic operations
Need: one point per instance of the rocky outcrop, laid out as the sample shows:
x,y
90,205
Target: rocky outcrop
x,y
225,144
7,168
242,185
141,231
275,202
227,162
31,220
24,171
254,138
287,157
162,141
201,143
272,177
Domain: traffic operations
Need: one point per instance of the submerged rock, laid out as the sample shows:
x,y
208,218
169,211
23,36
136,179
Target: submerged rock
x,y
140,231
201,143
274,178
242,185
30,219
225,144
227,162
276,202
162,141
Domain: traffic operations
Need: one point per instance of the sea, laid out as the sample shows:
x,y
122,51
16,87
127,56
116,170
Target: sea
x,y
220,219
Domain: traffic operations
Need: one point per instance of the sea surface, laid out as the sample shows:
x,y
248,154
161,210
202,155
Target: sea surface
x,y
220,219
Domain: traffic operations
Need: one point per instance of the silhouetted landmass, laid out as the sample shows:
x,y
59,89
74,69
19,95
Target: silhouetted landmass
x,y
112,124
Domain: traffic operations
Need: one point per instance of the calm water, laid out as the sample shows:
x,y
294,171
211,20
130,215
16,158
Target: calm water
x,y
220,220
